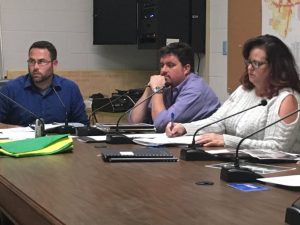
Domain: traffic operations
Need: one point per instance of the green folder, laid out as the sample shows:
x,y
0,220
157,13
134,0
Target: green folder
x,y
46,145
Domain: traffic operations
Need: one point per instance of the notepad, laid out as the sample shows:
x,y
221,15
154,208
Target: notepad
x,y
139,155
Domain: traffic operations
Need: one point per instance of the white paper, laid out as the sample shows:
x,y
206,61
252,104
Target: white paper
x,y
17,133
163,139
102,138
220,151
147,135
270,154
290,181
127,153
255,167
49,126
98,138
87,139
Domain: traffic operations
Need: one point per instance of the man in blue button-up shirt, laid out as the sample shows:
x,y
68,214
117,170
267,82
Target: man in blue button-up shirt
x,y
47,95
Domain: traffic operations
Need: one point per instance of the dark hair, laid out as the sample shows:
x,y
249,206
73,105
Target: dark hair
x,y
283,68
45,44
182,50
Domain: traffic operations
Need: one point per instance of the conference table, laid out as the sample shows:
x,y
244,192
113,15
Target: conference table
x,y
80,188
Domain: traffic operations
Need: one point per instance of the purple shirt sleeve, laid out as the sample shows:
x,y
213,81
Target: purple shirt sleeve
x,y
192,100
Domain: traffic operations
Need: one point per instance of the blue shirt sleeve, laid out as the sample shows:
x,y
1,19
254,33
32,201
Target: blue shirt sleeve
x,y
77,107
46,106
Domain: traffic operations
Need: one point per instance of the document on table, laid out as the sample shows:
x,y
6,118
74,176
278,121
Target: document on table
x,y
255,167
145,135
50,126
102,138
290,181
20,133
163,139
17,133
92,139
126,128
265,154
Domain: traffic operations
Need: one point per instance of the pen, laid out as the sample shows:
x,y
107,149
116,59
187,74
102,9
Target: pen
x,y
172,121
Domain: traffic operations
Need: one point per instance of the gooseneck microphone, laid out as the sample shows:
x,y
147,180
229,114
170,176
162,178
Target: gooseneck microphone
x,y
66,129
194,153
39,123
93,131
236,173
118,138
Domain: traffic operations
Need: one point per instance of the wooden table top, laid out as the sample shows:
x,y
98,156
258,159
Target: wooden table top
x,y
79,188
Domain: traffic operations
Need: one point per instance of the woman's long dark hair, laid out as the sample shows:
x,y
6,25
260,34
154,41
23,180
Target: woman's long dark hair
x,y
283,68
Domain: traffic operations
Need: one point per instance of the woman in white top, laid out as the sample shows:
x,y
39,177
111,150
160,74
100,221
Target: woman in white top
x,y
270,73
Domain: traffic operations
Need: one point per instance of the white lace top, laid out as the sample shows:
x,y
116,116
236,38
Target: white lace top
x,y
281,136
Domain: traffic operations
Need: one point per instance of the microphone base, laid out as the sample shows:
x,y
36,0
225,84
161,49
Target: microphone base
x,y
292,215
238,174
65,130
195,154
118,139
89,131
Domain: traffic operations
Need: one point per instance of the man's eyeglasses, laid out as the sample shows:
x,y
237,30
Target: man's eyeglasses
x,y
255,64
40,62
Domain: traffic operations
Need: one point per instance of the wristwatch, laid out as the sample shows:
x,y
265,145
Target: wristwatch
x,y
157,90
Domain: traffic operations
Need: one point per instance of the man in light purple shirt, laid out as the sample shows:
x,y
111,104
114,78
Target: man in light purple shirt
x,y
180,95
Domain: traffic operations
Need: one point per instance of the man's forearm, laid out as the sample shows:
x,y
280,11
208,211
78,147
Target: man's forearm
x,y
137,115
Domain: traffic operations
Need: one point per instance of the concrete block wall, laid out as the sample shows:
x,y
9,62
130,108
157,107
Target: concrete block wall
x,y
217,49
69,25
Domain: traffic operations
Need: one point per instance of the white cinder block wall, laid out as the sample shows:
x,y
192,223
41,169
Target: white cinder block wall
x,y
218,40
69,25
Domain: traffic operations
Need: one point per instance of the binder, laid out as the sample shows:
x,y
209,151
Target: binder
x,y
140,155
